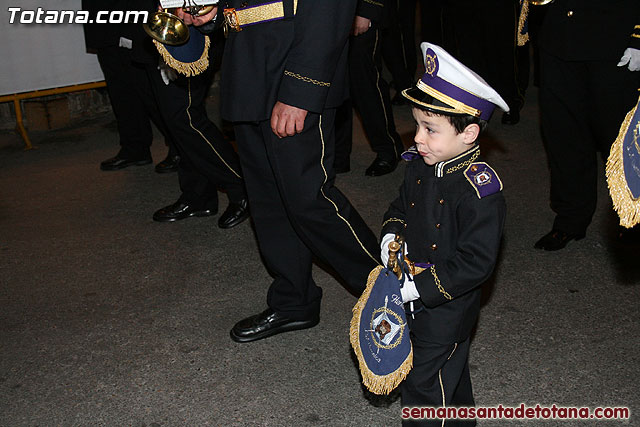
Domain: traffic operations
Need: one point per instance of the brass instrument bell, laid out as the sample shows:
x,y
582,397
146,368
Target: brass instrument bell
x,y
540,2
165,27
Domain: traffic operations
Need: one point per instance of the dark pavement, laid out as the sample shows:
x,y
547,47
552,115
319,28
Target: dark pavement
x,y
108,318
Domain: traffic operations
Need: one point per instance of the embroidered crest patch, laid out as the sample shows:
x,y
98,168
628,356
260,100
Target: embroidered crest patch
x,y
485,181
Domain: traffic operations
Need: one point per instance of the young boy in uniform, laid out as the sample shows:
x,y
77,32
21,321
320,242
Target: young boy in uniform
x,y
450,212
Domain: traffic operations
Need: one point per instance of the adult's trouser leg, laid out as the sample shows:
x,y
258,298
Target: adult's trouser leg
x,y
298,211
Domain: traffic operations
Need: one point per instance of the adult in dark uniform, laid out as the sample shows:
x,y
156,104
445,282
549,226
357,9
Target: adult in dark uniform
x,y
283,76
584,97
369,90
129,90
207,161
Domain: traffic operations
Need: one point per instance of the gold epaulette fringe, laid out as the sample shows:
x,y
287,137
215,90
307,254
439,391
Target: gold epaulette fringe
x,y
625,205
188,69
524,13
378,384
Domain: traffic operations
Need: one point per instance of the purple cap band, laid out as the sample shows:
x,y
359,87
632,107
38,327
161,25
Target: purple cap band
x,y
485,107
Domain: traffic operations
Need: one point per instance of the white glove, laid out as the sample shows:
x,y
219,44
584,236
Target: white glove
x,y
384,247
167,73
408,290
630,56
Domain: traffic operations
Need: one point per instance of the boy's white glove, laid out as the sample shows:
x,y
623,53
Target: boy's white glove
x,y
384,247
630,56
167,73
408,290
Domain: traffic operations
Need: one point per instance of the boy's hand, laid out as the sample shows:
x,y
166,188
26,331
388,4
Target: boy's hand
x,y
408,289
384,247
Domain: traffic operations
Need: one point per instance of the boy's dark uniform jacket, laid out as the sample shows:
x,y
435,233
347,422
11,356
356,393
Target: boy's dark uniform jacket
x,y
292,60
446,223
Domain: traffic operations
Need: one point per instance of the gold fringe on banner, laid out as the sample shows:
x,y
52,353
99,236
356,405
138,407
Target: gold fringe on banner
x,y
524,13
189,69
625,205
378,384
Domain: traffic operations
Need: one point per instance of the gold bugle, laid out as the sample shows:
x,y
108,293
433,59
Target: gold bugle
x,y
540,2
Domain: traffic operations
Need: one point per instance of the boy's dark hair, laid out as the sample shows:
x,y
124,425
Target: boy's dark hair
x,y
460,123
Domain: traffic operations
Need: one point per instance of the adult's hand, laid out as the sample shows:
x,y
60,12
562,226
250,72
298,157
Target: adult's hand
x,y
287,120
360,25
189,19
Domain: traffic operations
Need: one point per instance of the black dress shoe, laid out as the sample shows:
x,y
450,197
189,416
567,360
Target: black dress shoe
x,y
170,164
266,324
180,210
511,118
118,162
234,214
556,240
380,167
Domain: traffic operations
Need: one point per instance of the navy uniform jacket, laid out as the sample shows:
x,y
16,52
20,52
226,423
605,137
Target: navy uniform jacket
x,y
446,223
300,60
586,30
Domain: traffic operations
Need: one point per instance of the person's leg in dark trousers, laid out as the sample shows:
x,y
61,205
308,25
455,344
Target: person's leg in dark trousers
x,y
207,160
370,96
439,378
571,149
393,52
298,211
133,105
582,105
344,137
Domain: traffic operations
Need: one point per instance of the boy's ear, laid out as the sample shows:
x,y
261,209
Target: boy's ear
x,y
470,134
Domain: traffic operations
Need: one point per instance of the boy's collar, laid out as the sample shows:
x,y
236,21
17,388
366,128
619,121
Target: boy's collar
x,y
457,163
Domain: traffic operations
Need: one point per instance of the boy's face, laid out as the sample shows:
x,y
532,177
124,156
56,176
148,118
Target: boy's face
x,y
436,139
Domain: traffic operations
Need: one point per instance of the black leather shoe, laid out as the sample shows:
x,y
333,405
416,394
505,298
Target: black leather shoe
x,y
511,118
380,167
266,324
556,240
234,214
118,162
180,210
170,164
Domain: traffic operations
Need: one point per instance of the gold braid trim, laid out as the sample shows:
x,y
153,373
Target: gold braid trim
x,y
393,220
440,287
465,163
524,12
306,79
375,3
625,205
189,69
378,384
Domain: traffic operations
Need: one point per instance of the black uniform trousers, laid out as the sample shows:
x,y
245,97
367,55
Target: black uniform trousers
x,y
207,160
397,57
132,102
298,213
370,95
482,35
582,104
439,378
